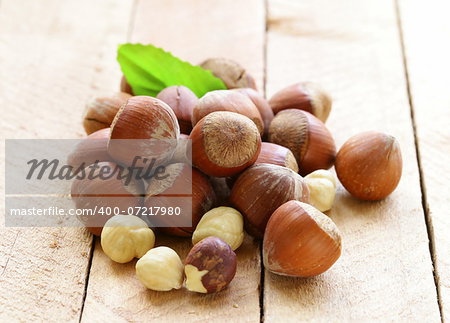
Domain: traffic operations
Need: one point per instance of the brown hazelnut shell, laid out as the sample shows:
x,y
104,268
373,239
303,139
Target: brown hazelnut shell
x,y
305,96
182,101
230,72
369,165
225,100
300,241
100,111
224,144
125,86
276,155
261,189
216,257
306,136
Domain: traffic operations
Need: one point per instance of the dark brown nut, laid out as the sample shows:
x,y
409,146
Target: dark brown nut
x,y
261,104
108,190
210,266
231,73
261,189
125,86
224,100
184,181
305,96
306,136
182,101
100,112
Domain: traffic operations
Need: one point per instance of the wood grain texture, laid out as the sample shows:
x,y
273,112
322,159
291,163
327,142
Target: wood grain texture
x,y
425,28
53,55
193,32
385,272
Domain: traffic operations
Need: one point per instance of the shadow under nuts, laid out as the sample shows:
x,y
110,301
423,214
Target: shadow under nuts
x,y
306,136
369,165
261,189
300,241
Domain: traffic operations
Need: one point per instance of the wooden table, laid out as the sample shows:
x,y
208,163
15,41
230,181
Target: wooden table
x,y
386,64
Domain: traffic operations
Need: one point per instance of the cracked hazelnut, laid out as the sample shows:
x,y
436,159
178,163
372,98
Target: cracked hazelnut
x,y
307,138
369,165
182,101
300,241
305,96
224,144
100,112
222,222
125,237
160,269
261,189
322,189
225,100
230,72
210,266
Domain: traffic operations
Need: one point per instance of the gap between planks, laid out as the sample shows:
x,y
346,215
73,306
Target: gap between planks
x,y
426,213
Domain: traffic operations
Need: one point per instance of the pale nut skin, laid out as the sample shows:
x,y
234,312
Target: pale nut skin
x,y
300,241
322,189
125,237
160,269
223,222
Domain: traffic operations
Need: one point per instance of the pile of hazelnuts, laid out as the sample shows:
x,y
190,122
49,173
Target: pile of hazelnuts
x,y
252,164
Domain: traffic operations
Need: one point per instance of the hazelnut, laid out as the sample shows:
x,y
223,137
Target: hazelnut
x,y
143,117
224,144
210,266
369,165
184,187
276,155
305,96
125,86
222,222
182,101
225,100
300,241
261,104
89,150
307,138
231,73
261,189
101,187
125,237
182,150
322,189
100,112
160,269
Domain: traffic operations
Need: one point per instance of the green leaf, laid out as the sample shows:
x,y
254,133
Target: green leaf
x,y
149,69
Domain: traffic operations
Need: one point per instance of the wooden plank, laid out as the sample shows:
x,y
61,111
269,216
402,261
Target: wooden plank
x,y
385,272
53,54
425,29
193,32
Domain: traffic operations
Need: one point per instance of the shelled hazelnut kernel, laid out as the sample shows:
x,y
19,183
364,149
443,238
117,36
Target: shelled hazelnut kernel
x,y
125,237
300,241
305,96
196,197
160,269
261,104
322,189
369,165
224,144
306,136
230,72
89,150
276,155
182,101
261,189
144,118
108,190
225,100
210,266
223,222
100,111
